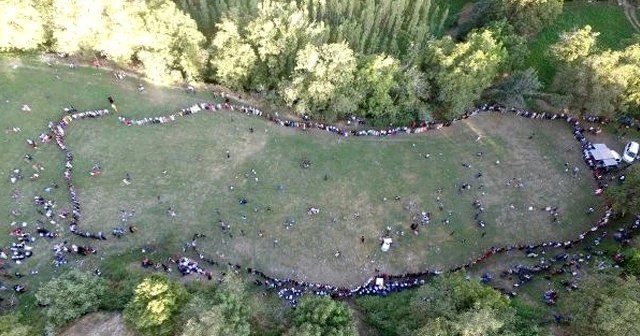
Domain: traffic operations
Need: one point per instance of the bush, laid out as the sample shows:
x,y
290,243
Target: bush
x,y
70,296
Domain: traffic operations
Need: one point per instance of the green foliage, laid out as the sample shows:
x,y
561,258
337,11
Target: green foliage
x,y
172,47
450,305
226,312
375,81
232,58
154,306
609,305
70,296
514,89
602,83
412,93
461,71
530,16
21,25
575,46
392,27
322,317
391,315
605,17
11,326
277,34
632,261
320,80
626,197
207,13
514,43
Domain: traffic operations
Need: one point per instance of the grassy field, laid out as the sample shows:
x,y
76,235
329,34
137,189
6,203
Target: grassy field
x,y
606,18
346,176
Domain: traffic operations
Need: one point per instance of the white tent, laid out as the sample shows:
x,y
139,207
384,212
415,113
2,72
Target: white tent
x,y
605,156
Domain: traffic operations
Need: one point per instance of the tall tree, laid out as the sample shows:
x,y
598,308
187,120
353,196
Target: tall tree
x,y
514,43
461,71
232,58
172,45
530,16
75,24
321,81
515,88
322,317
70,296
277,34
574,46
626,197
153,309
21,25
375,80
379,26
609,305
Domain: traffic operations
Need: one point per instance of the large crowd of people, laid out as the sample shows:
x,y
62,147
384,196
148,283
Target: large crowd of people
x,y
290,289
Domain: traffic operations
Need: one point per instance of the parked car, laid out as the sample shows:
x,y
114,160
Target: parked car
x,y
630,152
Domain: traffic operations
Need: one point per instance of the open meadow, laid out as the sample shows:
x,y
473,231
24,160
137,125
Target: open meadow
x,y
363,187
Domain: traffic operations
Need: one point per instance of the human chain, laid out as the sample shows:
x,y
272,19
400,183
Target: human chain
x,y
392,282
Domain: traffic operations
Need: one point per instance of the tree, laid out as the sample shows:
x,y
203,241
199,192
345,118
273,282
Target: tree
x,y
70,296
211,322
626,197
514,43
632,263
232,58
374,82
277,34
379,26
154,306
609,305
322,316
513,89
123,31
322,78
479,322
172,45
226,312
21,25
435,327
11,326
530,16
461,71
75,25
575,46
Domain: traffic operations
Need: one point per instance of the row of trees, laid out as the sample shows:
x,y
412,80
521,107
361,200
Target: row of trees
x,y
450,306
283,54
160,306
381,59
154,35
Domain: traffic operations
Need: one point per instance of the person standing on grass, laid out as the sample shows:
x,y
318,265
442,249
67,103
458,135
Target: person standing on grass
x,y
113,103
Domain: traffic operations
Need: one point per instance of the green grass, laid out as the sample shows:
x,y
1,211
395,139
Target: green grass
x,y
604,17
360,174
